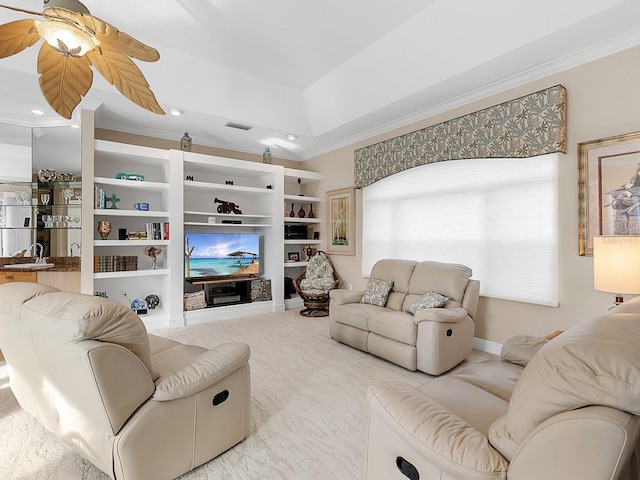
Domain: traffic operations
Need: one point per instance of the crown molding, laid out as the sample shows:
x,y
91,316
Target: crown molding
x,y
587,55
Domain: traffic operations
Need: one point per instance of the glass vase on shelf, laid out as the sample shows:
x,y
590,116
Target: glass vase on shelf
x,y
311,214
292,213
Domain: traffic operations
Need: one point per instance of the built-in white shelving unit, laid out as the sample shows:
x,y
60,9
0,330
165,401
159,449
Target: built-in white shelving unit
x,y
181,189
109,159
293,199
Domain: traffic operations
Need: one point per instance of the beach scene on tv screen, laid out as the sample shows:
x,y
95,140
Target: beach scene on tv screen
x,y
222,254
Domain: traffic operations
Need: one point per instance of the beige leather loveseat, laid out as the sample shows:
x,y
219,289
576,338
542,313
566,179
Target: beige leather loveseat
x,y
403,326
570,414
135,405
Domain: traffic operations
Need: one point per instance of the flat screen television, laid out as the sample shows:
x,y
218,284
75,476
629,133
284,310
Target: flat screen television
x,y
219,255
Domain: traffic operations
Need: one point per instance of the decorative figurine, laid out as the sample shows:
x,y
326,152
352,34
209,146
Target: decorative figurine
x,y
185,142
153,253
227,207
113,200
266,156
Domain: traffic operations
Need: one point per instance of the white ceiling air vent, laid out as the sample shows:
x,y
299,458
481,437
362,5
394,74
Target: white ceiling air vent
x,y
239,126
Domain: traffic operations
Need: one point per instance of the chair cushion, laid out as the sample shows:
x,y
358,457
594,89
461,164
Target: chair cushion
x,y
74,317
14,294
318,277
593,363
377,292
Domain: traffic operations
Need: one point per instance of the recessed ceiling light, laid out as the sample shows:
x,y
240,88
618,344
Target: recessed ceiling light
x,y
35,111
176,112
291,136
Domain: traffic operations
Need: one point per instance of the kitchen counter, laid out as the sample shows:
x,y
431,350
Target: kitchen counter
x,y
61,264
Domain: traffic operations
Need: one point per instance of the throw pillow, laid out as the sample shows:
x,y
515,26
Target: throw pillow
x,y
377,292
428,300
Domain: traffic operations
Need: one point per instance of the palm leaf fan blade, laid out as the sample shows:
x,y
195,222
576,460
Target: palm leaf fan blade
x,y
113,39
64,80
17,36
122,73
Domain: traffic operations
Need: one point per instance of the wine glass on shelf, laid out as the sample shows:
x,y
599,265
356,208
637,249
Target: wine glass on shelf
x,y
56,220
44,198
67,221
67,194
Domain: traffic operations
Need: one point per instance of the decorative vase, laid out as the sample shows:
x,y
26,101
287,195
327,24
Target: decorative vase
x,y
311,214
154,263
266,156
185,142
104,229
301,212
292,213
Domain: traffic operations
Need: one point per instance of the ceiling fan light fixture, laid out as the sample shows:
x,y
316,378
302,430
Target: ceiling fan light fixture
x,y
66,39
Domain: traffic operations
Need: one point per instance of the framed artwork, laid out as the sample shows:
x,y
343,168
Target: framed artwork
x,y
340,205
294,256
609,189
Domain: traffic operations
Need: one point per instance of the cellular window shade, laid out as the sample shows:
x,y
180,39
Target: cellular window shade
x,y
497,216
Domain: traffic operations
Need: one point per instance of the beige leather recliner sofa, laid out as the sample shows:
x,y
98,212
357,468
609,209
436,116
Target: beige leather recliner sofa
x,y
570,414
433,340
137,406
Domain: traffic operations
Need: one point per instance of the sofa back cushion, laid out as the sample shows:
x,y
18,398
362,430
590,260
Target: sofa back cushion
x,y
448,279
73,317
400,271
593,363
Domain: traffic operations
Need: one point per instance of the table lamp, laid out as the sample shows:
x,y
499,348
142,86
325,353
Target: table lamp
x,y
616,265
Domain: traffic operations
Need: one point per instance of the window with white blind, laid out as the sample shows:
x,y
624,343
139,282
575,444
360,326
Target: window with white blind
x,y
497,216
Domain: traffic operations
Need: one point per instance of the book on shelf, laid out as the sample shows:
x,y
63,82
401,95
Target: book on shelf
x,y
99,198
115,263
157,230
137,235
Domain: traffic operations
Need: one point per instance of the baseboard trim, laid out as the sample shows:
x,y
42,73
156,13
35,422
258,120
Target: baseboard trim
x,y
487,346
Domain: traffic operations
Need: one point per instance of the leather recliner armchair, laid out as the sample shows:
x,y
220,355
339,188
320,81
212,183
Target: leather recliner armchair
x,y
137,406
572,413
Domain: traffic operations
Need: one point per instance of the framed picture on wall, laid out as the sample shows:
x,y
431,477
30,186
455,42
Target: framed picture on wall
x,y
609,189
340,205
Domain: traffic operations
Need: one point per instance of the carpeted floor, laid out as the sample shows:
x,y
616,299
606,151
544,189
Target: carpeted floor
x,y
308,414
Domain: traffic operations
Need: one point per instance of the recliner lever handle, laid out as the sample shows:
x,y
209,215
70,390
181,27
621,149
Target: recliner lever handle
x,y
407,469
220,397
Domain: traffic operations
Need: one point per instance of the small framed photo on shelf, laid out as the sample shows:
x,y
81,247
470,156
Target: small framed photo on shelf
x,y
294,256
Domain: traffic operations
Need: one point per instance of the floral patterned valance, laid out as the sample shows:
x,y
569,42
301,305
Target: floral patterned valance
x,y
535,124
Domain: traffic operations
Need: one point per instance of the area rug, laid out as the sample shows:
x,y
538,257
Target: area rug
x,y
308,413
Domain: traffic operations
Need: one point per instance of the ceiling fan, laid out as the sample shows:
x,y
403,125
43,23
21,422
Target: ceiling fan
x,y
74,41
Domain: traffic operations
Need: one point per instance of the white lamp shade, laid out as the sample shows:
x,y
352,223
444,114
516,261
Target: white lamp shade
x,y
616,264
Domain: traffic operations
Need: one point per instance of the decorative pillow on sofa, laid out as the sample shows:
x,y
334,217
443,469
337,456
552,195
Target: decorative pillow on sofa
x,y
428,300
377,292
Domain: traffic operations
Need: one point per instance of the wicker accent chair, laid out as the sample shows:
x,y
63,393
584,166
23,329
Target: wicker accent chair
x,y
313,285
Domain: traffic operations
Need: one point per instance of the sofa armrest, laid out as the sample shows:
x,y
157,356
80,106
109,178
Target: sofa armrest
x,y
443,315
205,370
440,436
342,296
